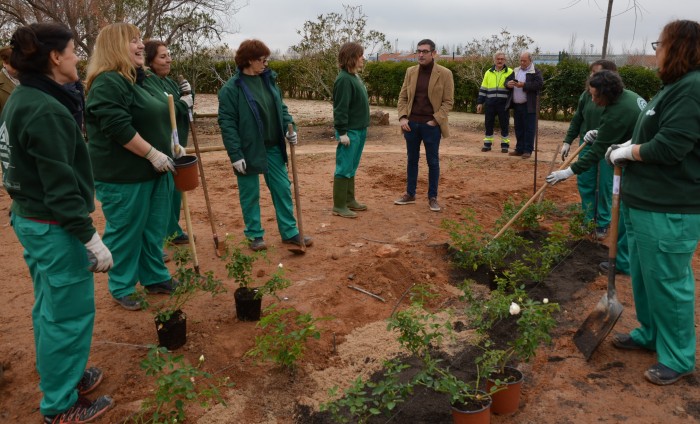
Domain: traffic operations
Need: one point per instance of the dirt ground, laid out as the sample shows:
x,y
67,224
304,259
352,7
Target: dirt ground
x,y
560,386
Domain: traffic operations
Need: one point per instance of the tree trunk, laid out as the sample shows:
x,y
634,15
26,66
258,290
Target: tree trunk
x,y
608,16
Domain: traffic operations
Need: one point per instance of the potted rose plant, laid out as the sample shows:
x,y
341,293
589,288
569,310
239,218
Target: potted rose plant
x,y
170,320
248,297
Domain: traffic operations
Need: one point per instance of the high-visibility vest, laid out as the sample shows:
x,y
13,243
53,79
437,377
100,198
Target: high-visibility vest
x,y
493,86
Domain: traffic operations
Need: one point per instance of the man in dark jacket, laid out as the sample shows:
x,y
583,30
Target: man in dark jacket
x,y
525,84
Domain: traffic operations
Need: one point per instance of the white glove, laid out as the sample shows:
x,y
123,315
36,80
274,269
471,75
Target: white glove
x,y
590,136
189,101
344,140
239,166
565,147
291,137
160,161
558,176
178,151
619,155
613,147
99,256
185,87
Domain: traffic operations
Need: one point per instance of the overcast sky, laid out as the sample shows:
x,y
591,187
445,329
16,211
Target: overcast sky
x,y
551,23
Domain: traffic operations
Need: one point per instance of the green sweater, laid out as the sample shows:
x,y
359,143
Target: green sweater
x,y
667,179
350,103
616,125
45,162
586,118
159,85
116,110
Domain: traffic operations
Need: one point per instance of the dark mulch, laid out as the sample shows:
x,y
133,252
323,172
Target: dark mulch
x,y
428,407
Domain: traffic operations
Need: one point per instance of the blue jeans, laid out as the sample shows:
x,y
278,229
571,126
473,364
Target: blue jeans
x,y
524,123
430,136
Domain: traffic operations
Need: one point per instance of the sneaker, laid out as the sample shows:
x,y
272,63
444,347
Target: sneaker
x,y
166,287
515,153
181,239
405,199
625,341
257,244
662,375
485,149
525,156
601,232
128,302
92,377
308,241
83,411
434,205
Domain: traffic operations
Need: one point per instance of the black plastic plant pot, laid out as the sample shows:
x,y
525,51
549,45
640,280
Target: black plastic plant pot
x,y
248,308
172,333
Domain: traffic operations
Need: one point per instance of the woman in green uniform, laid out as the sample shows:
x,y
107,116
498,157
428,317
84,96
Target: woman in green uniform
x,y
46,171
350,119
622,107
158,83
130,147
597,180
253,121
661,193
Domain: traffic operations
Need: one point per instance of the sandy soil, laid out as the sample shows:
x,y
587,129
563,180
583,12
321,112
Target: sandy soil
x,y
560,386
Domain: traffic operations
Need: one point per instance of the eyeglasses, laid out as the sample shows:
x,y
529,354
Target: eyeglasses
x,y
424,51
655,44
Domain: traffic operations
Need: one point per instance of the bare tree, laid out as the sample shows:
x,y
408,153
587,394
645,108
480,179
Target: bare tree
x,y
321,41
167,20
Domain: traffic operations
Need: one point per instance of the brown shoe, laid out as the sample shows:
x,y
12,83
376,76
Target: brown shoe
x,y
405,199
525,156
433,204
515,153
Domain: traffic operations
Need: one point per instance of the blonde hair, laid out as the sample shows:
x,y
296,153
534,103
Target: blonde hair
x,y
111,52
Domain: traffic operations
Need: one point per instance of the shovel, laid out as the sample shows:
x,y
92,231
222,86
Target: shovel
x,y
297,250
218,248
606,313
185,205
538,192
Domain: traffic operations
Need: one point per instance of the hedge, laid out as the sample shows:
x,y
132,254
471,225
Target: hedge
x,y
564,82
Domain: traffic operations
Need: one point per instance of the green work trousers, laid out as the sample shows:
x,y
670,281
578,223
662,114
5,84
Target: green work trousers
x,y
601,177
278,183
661,250
347,158
136,215
64,309
174,228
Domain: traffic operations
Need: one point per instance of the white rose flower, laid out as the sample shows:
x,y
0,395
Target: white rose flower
x,y
545,301
514,309
201,358
280,265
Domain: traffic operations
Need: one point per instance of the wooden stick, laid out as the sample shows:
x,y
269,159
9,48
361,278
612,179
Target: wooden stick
x,y
297,196
190,234
367,293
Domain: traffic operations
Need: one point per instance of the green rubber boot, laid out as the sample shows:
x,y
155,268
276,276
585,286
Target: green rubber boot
x,y
353,204
340,196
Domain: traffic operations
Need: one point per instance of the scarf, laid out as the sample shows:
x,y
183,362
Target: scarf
x,y
14,80
70,99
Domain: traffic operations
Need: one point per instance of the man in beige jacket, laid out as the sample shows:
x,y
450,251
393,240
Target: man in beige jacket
x,y
426,98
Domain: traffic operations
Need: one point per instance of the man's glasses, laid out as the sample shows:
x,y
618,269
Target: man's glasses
x,y
423,51
655,44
